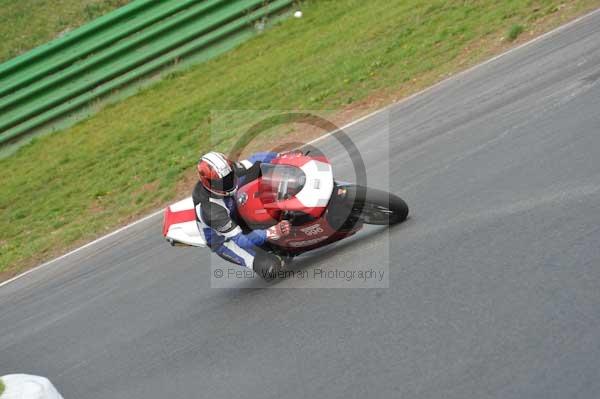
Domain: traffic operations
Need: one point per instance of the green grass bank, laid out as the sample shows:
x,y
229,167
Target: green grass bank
x,y
72,186
25,24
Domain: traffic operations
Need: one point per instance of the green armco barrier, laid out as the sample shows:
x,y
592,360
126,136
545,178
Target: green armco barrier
x,y
116,50
24,70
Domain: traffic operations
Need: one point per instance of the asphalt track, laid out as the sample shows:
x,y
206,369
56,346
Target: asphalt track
x,y
494,282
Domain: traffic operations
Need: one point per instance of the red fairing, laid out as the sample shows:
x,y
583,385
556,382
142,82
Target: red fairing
x,y
251,208
294,205
170,218
259,203
311,235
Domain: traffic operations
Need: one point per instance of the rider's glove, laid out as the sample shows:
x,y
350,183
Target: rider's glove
x,y
281,229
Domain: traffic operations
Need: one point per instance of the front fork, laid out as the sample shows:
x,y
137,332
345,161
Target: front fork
x,y
342,213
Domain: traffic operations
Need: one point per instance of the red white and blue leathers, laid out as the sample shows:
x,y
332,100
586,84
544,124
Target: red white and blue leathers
x,y
218,221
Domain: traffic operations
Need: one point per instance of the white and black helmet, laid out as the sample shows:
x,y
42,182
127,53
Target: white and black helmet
x,y
216,173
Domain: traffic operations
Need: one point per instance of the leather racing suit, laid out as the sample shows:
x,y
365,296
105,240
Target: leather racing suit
x,y
224,233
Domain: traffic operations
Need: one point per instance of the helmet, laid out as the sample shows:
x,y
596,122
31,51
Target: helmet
x,y
216,174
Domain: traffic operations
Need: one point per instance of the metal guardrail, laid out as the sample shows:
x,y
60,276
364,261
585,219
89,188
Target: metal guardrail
x,y
120,48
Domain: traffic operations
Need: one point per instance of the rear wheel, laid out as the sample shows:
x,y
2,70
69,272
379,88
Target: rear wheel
x,y
379,207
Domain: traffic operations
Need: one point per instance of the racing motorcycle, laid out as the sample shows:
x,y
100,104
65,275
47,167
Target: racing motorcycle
x,y
300,188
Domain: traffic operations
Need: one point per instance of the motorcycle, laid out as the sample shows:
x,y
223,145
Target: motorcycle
x,y
300,188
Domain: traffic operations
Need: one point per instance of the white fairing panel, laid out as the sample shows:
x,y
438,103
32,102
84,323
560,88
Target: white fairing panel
x,y
186,233
181,226
319,184
183,205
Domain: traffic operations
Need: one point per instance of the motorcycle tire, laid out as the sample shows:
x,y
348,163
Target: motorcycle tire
x,y
379,207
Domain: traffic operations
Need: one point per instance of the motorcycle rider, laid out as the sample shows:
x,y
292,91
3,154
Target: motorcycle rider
x,y
216,215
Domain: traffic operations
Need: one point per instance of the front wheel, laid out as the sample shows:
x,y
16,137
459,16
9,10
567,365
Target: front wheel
x,y
379,207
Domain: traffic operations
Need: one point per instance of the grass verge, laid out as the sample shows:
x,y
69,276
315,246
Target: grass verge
x,y
514,32
25,24
70,187
1,387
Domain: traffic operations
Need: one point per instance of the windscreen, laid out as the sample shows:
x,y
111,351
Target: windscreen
x,y
280,182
